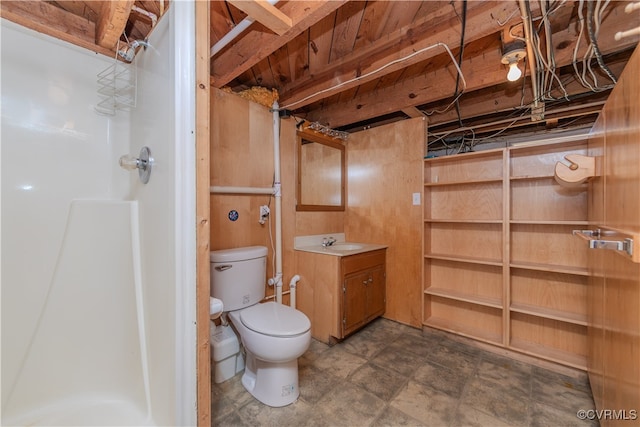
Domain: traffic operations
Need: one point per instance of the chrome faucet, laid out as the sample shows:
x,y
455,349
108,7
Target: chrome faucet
x,y
328,241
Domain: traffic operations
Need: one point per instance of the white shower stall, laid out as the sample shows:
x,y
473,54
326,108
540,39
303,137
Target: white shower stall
x,y
98,269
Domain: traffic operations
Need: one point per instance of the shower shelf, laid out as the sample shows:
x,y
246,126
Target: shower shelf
x,y
117,88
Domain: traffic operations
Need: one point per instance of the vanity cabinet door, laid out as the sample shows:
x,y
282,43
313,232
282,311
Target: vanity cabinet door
x,y
376,293
354,312
364,290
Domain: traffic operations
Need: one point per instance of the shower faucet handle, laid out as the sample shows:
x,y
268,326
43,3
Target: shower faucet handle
x,y
142,163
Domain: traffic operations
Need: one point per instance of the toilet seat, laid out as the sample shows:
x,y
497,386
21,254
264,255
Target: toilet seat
x,y
275,320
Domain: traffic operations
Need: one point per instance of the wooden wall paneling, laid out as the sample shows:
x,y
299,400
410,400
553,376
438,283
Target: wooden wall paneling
x,y
549,338
467,319
242,155
595,281
545,200
550,245
621,387
384,170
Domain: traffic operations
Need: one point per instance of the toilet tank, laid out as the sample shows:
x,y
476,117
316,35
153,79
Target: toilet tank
x,y
238,276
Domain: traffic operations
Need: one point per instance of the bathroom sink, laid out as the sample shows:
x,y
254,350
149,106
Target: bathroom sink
x,y
345,247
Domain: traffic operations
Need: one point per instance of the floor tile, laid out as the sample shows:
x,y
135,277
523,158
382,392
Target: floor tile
x,y
389,374
548,416
349,405
339,362
381,382
428,406
392,417
441,379
398,360
510,406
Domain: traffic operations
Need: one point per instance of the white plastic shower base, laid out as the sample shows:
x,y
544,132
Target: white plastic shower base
x,y
105,411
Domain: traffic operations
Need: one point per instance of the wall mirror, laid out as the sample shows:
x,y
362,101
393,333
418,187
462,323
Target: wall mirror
x,y
321,173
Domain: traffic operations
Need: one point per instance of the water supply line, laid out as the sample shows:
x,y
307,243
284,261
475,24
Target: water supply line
x,y
292,290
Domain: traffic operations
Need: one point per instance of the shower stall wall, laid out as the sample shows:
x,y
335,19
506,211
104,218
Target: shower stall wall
x,y
98,270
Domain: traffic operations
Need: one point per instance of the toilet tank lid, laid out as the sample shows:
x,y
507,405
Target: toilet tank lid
x,y
238,254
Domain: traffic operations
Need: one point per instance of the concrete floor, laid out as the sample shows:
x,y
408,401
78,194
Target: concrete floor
x,y
390,374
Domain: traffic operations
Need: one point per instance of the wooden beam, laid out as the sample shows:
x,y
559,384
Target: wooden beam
x,y
479,103
265,13
113,18
53,21
203,203
480,71
401,43
412,112
256,45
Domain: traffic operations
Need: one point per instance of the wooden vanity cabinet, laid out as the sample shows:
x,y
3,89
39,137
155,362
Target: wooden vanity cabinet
x,y
341,294
363,289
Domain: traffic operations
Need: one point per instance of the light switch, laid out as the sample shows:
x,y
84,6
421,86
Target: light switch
x,y
416,199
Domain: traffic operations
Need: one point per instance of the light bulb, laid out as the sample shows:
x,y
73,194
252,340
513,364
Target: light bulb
x,y
514,72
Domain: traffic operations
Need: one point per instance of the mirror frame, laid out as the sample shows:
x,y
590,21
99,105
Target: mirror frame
x,y
329,142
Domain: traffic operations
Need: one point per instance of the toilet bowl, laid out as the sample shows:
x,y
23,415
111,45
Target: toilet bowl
x,y
273,335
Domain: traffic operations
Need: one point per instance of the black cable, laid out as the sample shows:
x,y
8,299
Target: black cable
x,y
594,43
464,25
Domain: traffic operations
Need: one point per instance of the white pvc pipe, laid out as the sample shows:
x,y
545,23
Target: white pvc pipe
x,y
235,32
292,290
629,33
241,190
531,57
278,196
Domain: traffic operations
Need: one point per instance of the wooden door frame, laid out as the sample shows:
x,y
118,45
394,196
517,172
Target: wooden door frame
x,y
202,29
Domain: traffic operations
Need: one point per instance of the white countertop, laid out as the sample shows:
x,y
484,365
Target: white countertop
x,y
314,244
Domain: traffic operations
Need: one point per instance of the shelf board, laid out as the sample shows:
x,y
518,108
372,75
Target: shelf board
x,y
549,313
549,267
549,353
549,222
460,296
466,221
464,330
466,182
530,177
471,260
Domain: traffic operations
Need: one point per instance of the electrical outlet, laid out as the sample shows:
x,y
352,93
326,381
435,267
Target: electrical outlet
x,y
416,199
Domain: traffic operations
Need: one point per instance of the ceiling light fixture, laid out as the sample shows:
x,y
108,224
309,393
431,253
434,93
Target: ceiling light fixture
x,y
512,54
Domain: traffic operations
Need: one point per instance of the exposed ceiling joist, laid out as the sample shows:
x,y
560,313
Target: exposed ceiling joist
x,y
480,71
54,21
265,13
256,46
113,18
401,43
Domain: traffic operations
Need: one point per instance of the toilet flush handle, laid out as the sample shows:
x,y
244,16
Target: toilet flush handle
x,y
223,267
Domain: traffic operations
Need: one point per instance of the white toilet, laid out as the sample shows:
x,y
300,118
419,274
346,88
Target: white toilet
x,y
273,335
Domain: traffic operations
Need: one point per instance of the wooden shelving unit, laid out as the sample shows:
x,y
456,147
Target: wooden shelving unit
x,y
500,262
